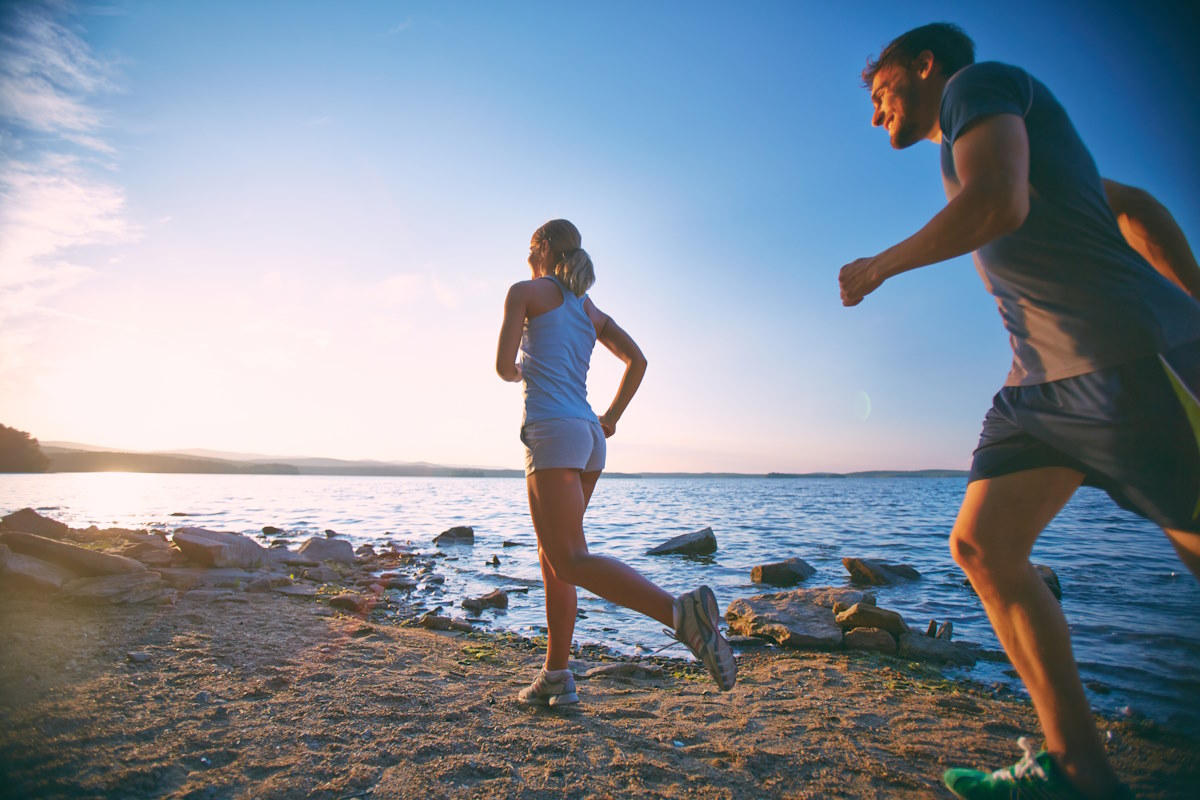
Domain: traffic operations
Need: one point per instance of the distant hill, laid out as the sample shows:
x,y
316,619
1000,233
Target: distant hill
x,y
71,457
64,459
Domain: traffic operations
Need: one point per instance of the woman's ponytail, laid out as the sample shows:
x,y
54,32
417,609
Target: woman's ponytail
x,y
572,264
575,270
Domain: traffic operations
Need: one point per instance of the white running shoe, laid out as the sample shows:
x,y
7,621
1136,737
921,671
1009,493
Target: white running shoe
x,y
550,691
698,617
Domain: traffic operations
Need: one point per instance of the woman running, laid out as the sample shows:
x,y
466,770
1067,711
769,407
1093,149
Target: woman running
x,y
554,326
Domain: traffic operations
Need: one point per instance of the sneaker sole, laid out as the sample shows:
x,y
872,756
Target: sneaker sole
x,y
716,649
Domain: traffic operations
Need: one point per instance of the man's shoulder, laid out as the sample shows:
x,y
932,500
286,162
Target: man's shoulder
x,y
981,73
989,87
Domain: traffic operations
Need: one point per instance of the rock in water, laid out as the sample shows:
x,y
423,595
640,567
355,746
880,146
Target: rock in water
x,y
699,543
783,573
461,534
878,573
1048,576
493,599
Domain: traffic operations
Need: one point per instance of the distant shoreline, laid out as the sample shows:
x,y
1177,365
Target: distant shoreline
x,y
63,459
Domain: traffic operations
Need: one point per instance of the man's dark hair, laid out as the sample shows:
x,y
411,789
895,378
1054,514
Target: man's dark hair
x,y
951,47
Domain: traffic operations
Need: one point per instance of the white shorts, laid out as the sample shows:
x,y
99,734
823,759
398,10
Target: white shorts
x,y
566,443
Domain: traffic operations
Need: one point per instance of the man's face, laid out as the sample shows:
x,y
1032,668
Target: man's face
x,y
896,97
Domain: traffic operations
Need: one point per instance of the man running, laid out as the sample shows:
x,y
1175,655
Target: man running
x,y
1105,330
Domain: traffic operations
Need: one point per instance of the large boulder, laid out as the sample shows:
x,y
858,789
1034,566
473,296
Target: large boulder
x,y
187,578
461,534
30,521
700,543
862,615
802,618
783,573
927,648
113,589
29,572
219,548
322,549
878,573
79,560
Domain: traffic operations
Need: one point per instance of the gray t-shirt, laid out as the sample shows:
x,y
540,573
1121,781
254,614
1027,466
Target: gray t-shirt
x,y
1074,296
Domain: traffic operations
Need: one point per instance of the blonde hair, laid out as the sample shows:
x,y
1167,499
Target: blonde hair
x,y
572,264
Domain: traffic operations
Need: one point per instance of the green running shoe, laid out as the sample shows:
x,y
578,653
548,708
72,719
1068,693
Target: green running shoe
x,y
1034,777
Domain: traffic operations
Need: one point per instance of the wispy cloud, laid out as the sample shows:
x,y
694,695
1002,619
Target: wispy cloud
x,y
46,75
399,28
52,196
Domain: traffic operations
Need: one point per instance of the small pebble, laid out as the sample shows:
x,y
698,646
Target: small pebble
x,y
138,657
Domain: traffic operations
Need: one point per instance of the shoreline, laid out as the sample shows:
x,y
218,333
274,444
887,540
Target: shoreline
x,y
231,683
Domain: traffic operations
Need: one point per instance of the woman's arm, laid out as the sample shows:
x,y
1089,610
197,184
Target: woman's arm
x,y
515,306
1151,230
621,345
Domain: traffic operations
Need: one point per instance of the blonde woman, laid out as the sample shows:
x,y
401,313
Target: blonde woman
x,y
553,325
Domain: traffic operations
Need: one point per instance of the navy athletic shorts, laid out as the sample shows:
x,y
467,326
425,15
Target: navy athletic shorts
x,y
1133,430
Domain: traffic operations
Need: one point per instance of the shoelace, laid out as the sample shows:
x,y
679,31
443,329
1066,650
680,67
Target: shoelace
x,y
675,642
1027,765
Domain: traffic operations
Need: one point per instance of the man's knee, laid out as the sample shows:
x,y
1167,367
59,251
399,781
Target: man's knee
x,y
981,554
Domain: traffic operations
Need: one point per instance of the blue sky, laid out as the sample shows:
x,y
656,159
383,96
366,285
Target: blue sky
x,y
287,228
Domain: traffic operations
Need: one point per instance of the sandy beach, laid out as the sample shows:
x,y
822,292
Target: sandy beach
x,y
222,693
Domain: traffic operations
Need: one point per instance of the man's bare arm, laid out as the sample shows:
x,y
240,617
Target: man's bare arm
x,y
992,162
1151,230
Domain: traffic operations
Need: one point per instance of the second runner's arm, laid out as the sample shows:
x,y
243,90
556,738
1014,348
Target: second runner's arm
x,y
1151,230
992,161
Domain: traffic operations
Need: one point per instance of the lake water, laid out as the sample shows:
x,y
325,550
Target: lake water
x,y
1131,605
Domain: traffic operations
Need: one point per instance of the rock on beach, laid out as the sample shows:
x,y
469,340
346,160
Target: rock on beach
x,y
323,549
29,521
927,648
874,640
79,560
219,548
801,618
864,615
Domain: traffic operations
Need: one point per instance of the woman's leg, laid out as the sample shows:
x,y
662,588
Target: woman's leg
x,y
557,500
561,599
